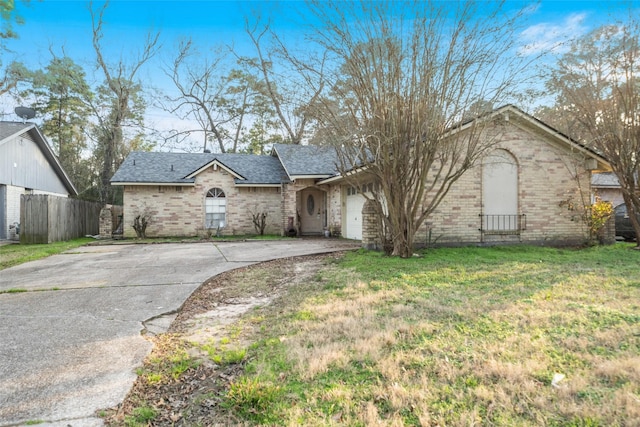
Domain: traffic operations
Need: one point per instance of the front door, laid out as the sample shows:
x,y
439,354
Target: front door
x,y
312,211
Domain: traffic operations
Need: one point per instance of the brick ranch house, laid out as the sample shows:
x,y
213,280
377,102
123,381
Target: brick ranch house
x,y
520,192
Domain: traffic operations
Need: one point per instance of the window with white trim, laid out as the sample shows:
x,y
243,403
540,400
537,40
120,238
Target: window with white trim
x,y
215,209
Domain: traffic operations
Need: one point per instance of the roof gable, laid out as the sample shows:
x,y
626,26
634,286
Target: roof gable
x,y
215,163
10,131
307,161
512,114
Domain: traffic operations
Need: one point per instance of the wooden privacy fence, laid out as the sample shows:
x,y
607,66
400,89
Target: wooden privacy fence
x,y
47,219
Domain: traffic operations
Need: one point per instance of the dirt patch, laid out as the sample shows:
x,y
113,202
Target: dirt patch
x,y
204,321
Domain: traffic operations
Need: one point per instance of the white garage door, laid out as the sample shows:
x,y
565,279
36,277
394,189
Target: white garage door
x,y
353,221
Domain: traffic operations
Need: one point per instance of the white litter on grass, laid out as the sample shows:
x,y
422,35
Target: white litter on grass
x,y
556,379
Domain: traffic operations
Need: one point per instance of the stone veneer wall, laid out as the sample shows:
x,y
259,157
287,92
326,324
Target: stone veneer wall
x,y
180,211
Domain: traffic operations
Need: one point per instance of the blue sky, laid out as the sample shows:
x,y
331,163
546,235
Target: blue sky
x,y
65,26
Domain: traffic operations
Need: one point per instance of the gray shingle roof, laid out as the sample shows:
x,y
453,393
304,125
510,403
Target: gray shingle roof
x,y
605,179
307,159
255,169
173,168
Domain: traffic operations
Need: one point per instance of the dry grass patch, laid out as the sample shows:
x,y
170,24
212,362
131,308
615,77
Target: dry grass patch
x,y
513,336
532,337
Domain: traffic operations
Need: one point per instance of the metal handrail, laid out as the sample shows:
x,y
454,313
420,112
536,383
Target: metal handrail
x,y
503,224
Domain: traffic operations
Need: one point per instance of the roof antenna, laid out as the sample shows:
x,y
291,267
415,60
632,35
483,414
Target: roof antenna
x,y
25,113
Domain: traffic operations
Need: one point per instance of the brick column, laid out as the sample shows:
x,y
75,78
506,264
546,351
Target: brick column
x,y
106,223
370,236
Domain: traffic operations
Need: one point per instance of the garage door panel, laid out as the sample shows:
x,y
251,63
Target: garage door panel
x,y
353,222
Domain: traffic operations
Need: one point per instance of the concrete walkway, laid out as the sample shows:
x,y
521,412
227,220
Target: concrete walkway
x,y
70,343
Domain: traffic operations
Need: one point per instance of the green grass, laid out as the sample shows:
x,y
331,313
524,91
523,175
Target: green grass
x,y
15,254
456,337
171,361
13,291
222,354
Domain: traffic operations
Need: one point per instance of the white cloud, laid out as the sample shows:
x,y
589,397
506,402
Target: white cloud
x,y
552,37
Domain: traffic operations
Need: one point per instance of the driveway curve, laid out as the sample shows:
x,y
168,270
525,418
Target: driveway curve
x,y
70,329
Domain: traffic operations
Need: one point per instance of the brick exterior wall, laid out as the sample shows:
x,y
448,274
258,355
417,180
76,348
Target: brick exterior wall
x,y
106,223
547,184
292,204
546,181
181,212
370,236
335,205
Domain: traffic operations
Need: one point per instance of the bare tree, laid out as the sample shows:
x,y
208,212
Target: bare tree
x,y
296,89
598,90
409,72
223,100
122,91
201,92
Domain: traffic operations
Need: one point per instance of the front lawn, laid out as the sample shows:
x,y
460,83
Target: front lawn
x,y
513,336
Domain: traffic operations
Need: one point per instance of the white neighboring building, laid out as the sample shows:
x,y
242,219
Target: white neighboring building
x,y
28,165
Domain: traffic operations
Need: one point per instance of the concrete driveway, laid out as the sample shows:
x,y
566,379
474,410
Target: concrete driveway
x,y
70,344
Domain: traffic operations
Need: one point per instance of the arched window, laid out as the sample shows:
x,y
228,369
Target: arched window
x,y
500,191
215,209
